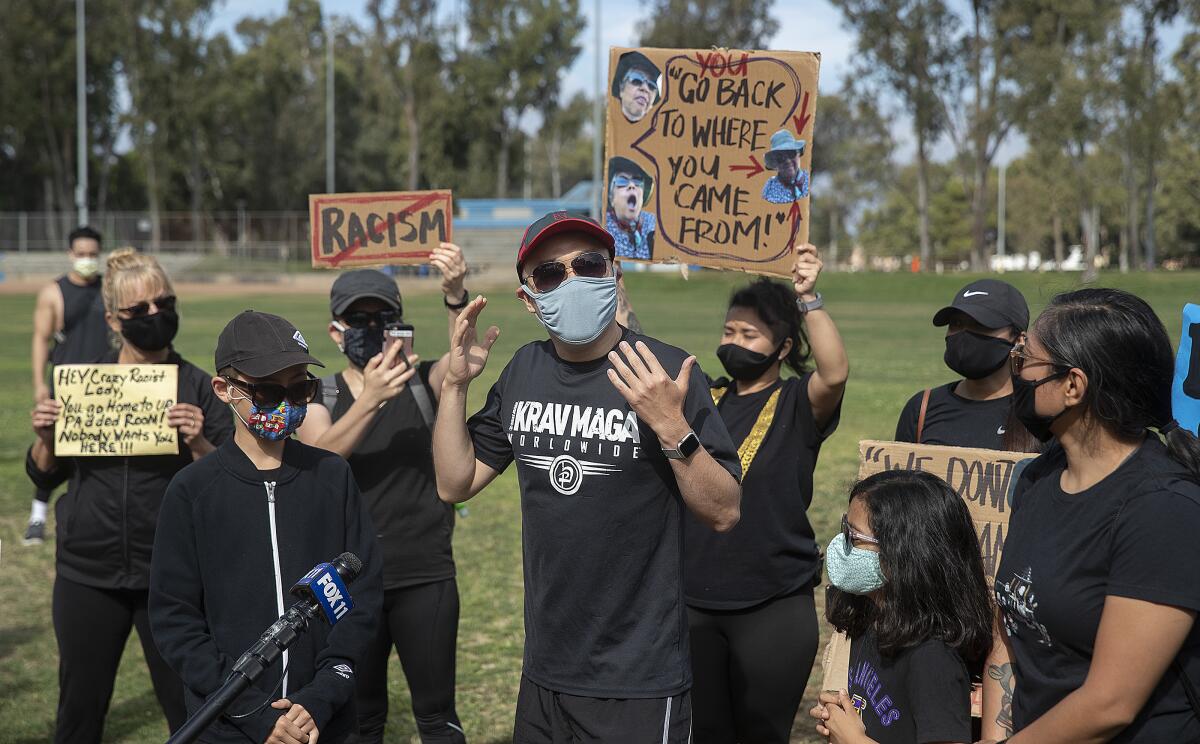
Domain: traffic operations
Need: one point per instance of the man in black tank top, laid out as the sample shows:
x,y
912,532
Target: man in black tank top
x,y
69,313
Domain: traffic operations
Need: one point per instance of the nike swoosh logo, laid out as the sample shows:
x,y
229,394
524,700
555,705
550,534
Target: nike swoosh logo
x,y
1000,431
972,294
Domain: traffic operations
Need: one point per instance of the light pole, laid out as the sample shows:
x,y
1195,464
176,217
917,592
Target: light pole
x,y
1000,212
597,110
81,165
329,122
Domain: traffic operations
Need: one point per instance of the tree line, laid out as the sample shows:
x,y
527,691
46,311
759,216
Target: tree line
x,y
469,96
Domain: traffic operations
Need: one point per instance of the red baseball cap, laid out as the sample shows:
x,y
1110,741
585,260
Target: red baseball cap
x,y
556,223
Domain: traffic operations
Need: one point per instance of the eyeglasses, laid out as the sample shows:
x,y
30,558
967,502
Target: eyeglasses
x,y
549,275
1019,360
271,394
850,534
142,309
637,78
361,319
625,181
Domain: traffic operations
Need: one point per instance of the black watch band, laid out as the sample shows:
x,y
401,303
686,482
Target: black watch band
x,y
466,299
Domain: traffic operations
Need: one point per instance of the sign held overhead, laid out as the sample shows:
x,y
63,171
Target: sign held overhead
x,y
395,227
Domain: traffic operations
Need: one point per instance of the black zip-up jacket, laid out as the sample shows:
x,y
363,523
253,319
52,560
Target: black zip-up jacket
x,y
231,542
105,521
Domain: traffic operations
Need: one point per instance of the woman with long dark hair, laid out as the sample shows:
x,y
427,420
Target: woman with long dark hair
x,y
907,587
1097,590
750,591
106,520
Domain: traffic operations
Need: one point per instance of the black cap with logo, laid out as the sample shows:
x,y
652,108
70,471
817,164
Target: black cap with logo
x,y
260,344
989,302
362,284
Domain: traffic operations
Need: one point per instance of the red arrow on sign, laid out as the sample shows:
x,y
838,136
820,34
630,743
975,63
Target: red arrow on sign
x,y
802,120
754,169
794,216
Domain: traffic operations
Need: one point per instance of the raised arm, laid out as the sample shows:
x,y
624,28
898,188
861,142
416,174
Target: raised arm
x,y
449,259
459,474
828,382
708,489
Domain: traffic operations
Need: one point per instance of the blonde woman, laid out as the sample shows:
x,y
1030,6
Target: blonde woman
x,y
106,520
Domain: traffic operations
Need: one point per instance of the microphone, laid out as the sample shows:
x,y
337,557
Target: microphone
x,y
322,592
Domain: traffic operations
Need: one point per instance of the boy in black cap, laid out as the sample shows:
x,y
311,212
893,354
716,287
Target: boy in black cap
x,y
613,435
239,527
982,323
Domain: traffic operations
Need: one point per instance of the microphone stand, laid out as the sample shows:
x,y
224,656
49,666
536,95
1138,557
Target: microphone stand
x,y
265,651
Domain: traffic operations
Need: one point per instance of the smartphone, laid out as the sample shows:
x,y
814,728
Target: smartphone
x,y
398,333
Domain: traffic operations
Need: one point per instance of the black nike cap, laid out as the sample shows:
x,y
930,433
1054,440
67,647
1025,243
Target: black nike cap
x,y
989,302
260,344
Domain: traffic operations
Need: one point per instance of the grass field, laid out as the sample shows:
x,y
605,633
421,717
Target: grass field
x,y
894,351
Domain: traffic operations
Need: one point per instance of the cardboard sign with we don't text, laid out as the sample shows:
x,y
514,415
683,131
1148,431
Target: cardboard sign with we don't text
x,y
985,480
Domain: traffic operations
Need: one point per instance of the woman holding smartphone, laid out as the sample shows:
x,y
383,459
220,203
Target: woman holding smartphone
x,y
378,413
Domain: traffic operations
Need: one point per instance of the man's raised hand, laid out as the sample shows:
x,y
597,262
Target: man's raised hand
x,y
448,259
468,355
654,395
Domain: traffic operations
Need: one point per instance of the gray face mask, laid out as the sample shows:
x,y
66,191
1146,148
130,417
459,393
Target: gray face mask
x,y
578,310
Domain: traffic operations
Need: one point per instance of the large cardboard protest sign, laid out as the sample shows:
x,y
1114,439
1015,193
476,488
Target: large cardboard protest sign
x,y
709,154
115,409
391,227
983,478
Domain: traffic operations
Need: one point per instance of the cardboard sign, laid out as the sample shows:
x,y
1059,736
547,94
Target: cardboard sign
x,y
985,479
709,156
381,228
115,409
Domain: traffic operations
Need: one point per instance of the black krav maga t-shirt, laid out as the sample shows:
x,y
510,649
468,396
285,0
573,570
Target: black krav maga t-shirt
x,y
1133,534
954,421
921,694
772,551
602,521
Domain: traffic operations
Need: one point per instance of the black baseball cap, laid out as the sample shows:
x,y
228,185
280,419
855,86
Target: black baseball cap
x,y
556,223
989,302
363,283
260,344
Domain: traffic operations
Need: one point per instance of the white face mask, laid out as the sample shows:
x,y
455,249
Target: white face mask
x,y
86,267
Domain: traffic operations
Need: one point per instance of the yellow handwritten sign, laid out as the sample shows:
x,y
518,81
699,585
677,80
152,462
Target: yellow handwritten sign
x,y
983,478
115,409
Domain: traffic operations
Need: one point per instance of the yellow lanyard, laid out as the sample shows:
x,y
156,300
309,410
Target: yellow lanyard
x,y
753,440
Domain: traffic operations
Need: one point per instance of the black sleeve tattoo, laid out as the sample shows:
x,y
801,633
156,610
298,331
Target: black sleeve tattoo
x,y
1003,674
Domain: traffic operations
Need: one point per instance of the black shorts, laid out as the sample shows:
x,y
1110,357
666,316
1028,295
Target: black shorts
x,y
548,717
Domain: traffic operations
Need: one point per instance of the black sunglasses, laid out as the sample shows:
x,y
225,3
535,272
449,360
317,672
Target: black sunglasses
x,y
547,276
271,394
361,319
142,309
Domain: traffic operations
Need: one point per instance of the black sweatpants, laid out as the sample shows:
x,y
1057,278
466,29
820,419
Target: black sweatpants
x,y
548,717
422,623
749,669
92,626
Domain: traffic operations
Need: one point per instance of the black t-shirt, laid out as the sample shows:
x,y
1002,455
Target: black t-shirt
x,y
1133,534
393,465
772,551
921,694
602,521
955,421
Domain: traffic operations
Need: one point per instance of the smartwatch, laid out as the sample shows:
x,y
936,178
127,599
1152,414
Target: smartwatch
x,y
807,307
466,299
689,444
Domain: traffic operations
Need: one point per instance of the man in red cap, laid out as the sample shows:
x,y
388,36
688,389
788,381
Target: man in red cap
x,y
613,434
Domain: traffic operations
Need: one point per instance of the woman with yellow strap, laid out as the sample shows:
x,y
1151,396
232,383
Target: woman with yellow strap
x,y
750,591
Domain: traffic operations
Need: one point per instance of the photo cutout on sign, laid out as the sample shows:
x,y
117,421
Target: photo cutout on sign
x,y
637,84
790,182
632,227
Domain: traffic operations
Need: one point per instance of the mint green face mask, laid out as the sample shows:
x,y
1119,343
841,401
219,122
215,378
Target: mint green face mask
x,y
854,571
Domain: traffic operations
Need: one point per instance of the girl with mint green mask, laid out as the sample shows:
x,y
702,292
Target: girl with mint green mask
x,y
907,586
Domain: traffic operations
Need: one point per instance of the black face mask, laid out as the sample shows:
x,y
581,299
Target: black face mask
x,y
743,364
151,332
361,344
974,355
1024,402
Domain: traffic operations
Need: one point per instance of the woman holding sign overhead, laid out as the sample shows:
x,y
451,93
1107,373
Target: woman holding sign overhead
x,y
1095,636
750,591
106,520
